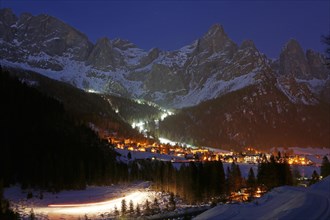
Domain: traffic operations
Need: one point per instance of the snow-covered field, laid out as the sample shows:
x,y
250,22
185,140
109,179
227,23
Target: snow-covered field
x,y
95,201
281,203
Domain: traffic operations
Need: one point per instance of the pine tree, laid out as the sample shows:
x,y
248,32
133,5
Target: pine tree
x,y
315,178
123,207
235,180
116,212
131,208
325,167
155,207
138,211
147,210
172,203
251,181
32,215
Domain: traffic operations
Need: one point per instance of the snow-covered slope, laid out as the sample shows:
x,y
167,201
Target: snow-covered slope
x,y
280,203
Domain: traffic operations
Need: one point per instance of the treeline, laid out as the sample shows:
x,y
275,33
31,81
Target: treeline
x,y
43,146
199,182
273,174
194,182
5,211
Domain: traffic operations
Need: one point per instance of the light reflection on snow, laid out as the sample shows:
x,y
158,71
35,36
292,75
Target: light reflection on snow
x,y
165,114
92,208
92,91
163,140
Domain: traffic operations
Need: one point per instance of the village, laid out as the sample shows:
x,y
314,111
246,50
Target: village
x,y
185,153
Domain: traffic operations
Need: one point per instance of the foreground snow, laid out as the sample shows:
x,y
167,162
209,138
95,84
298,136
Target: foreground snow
x,y
280,203
95,201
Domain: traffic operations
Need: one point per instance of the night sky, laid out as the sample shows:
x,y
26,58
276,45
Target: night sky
x,y
170,25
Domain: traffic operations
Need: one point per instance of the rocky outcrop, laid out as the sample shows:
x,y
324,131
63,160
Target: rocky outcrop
x,y
8,19
303,70
293,61
104,57
317,64
41,35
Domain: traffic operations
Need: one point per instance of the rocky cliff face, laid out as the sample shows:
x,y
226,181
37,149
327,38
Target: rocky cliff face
x,y
210,67
302,76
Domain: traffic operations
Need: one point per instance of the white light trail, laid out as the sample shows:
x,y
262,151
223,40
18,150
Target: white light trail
x,y
92,208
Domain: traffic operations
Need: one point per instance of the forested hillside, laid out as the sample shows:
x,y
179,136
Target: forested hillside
x,y
85,107
44,146
260,116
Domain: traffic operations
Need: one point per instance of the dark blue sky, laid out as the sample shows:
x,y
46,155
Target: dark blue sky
x,y
172,24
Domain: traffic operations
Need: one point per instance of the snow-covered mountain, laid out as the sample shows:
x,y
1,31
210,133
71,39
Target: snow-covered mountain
x,y
281,203
210,67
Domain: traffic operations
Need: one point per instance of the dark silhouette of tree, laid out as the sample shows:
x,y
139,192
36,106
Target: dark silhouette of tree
x,y
147,210
273,174
251,180
129,156
137,210
32,216
326,41
5,212
155,206
131,208
171,202
315,178
235,179
116,212
251,183
123,207
325,167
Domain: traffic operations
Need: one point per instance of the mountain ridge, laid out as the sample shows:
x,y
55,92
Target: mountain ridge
x,y
210,67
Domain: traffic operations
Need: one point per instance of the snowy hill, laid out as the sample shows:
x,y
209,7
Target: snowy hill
x,y
280,203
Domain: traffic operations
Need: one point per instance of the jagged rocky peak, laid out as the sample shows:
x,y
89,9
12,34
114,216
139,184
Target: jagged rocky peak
x,y
317,63
248,44
123,44
215,40
293,61
103,42
8,19
292,46
103,56
153,54
216,30
44,33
